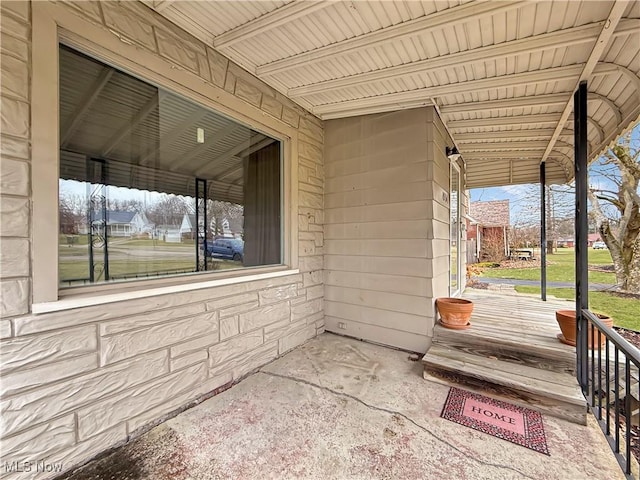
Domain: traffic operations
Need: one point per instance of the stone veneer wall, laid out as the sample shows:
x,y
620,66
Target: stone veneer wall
x,y
76,382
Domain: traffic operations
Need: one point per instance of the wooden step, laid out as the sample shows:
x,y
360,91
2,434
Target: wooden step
x,y
532,345
549,392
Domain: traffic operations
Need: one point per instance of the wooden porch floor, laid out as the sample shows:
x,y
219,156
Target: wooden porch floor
x,y
511,351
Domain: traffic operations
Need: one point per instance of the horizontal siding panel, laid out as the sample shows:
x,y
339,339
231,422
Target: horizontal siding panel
x,y
377,213
385,336
379,282
413,267
382,318
380,230
389,176
394,302
407,192
383,247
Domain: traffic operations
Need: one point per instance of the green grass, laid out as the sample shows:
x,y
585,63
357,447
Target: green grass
x,y
560,268
624,311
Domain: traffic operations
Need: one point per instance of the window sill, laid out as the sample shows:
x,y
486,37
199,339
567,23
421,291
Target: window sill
x,y
79,301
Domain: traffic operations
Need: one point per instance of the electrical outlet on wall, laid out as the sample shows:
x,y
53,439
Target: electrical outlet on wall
x,y
342,325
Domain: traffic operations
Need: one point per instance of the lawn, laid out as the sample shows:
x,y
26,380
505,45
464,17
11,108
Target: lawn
x,y
560,268
624,311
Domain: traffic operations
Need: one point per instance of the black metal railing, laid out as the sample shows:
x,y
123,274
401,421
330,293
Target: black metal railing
x,y
612,387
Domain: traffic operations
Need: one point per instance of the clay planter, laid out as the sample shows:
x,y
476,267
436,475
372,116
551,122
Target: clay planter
x,y
567,321
454,312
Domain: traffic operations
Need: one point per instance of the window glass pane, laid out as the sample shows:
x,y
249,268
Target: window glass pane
x,y
454,202
152,184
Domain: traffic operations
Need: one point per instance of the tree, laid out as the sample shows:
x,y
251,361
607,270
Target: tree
x,y
615,205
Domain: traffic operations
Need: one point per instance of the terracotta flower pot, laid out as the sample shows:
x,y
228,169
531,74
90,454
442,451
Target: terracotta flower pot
x,y
454,312
567,321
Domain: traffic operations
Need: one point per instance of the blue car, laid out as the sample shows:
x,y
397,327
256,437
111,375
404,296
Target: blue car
x,y
227,248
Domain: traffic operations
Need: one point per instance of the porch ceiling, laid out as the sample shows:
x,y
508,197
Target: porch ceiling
x,y
502,74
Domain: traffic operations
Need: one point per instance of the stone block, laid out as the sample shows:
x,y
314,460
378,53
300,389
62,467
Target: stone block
x,y
14,297
306,248
88,8
14,216
200,343
178,401
105,414
280,329
21,380
271,105
240,299
277,294
312,278
316,291
19,8
264,316
239,309
178,50
14,117
310,152
229,327
83,451
290,116
234,347
311,129
35,350
13,26
218,64
40,442
14,147
311,200
295,339
14,257
14,77
249,362
316,318
308,264
135,322
128,344
248,92
5,329
230,82
41,404
306,309
14,177
128,24
199,356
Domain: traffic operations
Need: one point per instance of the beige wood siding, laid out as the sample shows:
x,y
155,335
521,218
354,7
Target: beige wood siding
x,y
386,226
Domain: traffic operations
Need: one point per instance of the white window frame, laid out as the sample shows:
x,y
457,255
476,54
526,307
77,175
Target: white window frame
x,y
455,167
54,24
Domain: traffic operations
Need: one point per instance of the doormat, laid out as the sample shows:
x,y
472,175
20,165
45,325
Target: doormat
x,y
515,424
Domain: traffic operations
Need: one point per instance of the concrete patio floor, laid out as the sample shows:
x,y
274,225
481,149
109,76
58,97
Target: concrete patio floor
x,y
339,408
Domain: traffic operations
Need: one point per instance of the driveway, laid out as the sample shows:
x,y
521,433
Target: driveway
x,y
337,408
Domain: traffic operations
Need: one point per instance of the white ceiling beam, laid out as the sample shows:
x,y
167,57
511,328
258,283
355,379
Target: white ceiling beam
x,y
499,145
161,5
77,117
554,74
592,97
366,110
502,155
631,119
130,125
501,121
509,103
563,38
275,18
590,66
529,133
418,26
515,79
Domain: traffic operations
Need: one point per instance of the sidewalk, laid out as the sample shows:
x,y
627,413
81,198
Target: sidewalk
x,y
536,283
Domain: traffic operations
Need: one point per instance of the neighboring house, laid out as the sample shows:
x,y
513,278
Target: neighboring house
x,y
188,227
488,229
569,242
168,233
124,224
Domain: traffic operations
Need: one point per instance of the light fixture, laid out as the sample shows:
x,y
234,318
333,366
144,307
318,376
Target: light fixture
x,y
452,153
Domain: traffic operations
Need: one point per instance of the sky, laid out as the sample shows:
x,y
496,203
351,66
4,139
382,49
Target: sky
x,y
520,196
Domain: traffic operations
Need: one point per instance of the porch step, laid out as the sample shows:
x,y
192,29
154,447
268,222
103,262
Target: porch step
x,y
549,392
530,343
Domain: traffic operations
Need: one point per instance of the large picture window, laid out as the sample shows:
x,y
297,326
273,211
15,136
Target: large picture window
x,y
152,184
